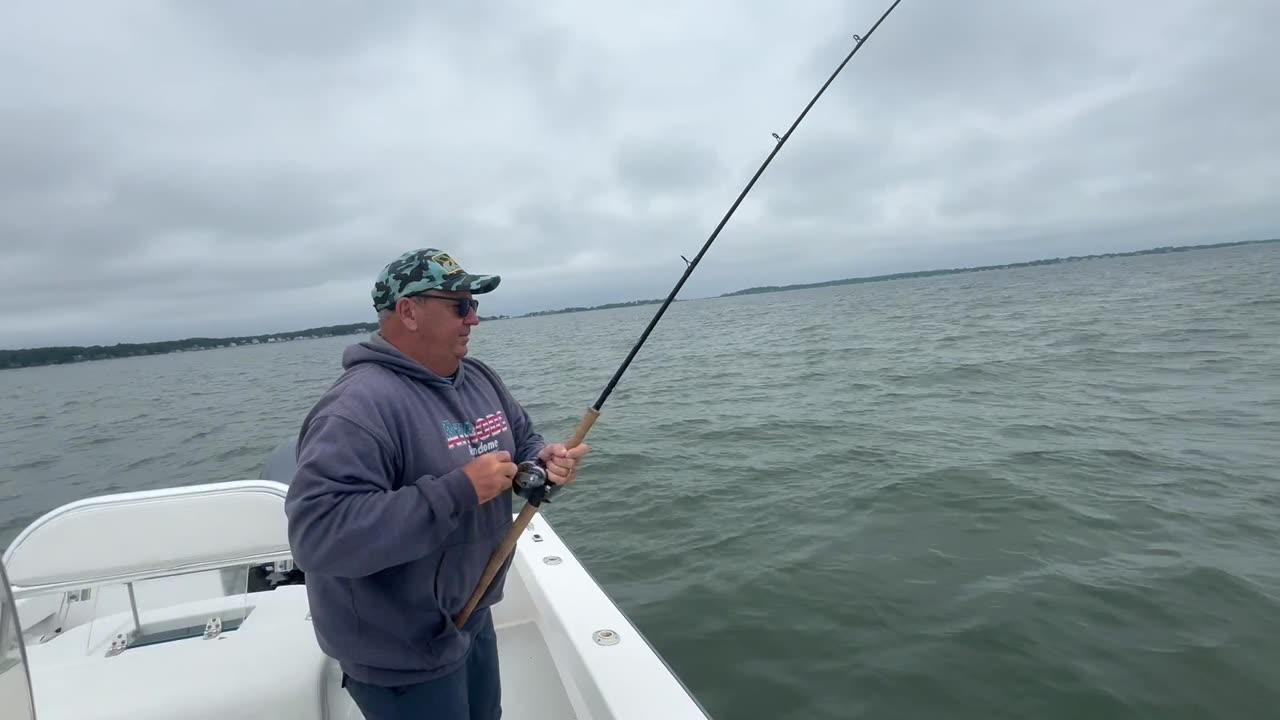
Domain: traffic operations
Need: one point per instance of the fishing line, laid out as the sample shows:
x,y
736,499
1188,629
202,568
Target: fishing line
x,y
531,481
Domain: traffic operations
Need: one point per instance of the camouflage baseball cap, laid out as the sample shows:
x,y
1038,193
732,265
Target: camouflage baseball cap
x,y
426,269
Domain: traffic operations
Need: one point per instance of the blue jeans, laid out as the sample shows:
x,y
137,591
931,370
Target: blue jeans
x,y
472,692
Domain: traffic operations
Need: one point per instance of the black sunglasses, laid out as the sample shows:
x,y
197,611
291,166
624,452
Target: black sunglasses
x,y
464,305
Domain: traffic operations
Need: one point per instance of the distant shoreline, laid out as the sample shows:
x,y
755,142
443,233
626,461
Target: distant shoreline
x,y
61,355
1003,266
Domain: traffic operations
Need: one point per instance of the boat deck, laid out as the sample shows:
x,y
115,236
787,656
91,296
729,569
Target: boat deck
x,y
532,689
270,667
158,622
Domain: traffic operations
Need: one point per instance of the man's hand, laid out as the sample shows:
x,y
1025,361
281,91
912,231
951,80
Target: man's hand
x,y
491,474
561,462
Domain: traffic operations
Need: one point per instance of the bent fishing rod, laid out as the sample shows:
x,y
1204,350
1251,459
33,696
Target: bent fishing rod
x,y
531,480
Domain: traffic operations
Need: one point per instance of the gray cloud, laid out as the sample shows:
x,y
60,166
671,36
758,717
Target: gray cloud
x,y
224,168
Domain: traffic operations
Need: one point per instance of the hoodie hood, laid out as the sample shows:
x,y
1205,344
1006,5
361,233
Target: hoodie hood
x,y
376,350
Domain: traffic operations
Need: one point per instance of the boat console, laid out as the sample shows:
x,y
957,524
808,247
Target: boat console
x,y
142,603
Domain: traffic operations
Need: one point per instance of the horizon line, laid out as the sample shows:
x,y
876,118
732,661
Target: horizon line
x,y
759,289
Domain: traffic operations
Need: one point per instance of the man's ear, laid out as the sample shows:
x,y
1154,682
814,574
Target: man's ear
x,y
404,311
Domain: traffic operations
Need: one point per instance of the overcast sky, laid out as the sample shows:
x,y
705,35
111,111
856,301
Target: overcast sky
x,y
217,168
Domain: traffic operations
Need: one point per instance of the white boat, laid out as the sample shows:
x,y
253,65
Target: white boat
x,y
184,603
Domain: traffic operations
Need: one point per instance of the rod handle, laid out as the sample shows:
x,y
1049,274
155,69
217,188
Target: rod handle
x,y
584,426
495,561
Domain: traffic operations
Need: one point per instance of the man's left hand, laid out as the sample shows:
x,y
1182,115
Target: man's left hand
x,y
562,462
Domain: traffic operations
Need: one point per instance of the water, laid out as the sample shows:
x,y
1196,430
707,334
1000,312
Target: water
x,y
1048,492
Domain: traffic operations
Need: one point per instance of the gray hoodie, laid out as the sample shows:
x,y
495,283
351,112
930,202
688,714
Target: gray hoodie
x,y
383,520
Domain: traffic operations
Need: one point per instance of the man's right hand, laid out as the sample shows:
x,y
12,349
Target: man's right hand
x,y
491,474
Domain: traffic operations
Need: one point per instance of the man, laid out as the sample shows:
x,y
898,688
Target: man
x,y
403,491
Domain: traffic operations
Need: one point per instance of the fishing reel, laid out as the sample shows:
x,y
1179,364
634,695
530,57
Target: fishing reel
x,y
532,484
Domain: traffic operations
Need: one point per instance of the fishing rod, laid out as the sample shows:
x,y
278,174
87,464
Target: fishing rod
x,y
531,478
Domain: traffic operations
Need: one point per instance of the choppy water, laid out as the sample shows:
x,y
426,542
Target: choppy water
x,y
1049,492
